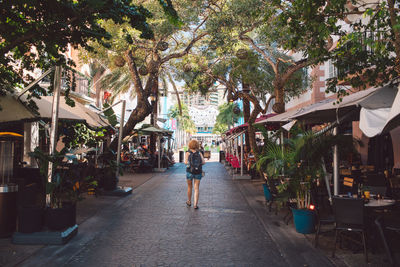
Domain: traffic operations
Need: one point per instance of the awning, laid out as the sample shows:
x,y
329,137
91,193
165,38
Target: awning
x,y
13,110
380,112
331,111
44,105
78,113
243,126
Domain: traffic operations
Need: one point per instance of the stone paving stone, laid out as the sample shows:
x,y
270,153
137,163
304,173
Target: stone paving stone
x,y
153,227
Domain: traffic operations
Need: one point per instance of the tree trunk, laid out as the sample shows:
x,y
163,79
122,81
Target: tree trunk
x,y
142,110
279,106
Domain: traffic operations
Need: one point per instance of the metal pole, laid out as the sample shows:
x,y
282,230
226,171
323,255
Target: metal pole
x,y
335,166
54,124
283,149
159,151
121,128
241,155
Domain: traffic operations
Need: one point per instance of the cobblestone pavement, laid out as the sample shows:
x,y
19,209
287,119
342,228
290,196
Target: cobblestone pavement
x,y
154,227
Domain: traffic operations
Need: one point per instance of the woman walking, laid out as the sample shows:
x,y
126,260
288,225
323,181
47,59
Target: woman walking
x,y
194,161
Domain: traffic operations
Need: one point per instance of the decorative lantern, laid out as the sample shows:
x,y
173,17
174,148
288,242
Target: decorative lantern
x,y
162,46
119,61
143,71
187,67
242,53
236,109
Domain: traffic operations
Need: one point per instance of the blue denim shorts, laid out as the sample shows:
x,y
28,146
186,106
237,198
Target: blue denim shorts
x,y
191,176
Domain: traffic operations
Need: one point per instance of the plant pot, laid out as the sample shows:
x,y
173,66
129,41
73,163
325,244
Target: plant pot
x,y
109,182
304,220
60,218
267,193
30,219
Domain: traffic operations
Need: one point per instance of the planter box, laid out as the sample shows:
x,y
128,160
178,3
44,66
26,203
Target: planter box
x,y
30,219
61,218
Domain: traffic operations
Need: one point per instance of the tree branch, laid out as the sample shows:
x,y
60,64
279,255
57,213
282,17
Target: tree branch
x,y
259,50
185,51
137,82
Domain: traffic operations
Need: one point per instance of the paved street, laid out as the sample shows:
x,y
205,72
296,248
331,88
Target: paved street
x,y
153,227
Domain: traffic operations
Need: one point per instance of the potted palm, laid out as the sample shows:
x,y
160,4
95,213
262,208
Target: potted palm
x,y
60,212
298,164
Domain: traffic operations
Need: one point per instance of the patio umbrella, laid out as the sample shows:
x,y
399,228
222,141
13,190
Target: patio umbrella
x,y
151,129
78,112
44,105
13,110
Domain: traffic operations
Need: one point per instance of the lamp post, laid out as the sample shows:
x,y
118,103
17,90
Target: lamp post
x,y
153,101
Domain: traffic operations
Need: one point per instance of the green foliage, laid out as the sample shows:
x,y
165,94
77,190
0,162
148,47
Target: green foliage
x,y
80,135
298,163
220,128
36,34
110,114
184,120
65,176
365,53
226,116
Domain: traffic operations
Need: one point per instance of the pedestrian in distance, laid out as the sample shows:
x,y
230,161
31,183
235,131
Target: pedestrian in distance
x,y
194,162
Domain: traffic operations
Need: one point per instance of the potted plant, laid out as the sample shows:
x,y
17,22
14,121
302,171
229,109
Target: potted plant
x,y
297,165
62,190
107,175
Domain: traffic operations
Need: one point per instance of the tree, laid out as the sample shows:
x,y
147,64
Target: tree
x,y
36,34
143,59
182,117
237,25
226,116
367,36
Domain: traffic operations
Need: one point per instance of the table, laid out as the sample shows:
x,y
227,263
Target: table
x,y
376,203
380,203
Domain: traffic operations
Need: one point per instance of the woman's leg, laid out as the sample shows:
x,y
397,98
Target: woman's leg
x,y
196,191
189,190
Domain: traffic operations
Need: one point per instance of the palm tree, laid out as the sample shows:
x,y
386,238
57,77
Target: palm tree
x,y
227,115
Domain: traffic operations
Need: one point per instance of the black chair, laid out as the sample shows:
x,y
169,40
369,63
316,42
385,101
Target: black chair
x,y
349,217
324,215
390,226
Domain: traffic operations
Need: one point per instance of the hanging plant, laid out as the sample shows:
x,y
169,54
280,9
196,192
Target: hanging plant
x,y
143,71
119,61
242,53
162,46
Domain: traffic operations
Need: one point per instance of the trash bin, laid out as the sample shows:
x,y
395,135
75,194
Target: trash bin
x,y
221,156
181,156
8,209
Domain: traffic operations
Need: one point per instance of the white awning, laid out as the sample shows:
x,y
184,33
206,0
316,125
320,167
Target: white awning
x,y
380,112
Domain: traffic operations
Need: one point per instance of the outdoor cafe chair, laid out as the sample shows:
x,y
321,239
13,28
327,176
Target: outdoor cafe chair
x,y
388,226
324,216
349,217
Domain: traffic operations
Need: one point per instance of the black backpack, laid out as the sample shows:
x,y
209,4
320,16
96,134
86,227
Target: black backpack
x,y
195,163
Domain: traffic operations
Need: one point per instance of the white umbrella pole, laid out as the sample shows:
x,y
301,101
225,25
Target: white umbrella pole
x,y
335,166
121,128
54,124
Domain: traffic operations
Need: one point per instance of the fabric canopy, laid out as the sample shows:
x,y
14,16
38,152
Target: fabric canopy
x,y
379,111
332,111
245,125
13,110
77,113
